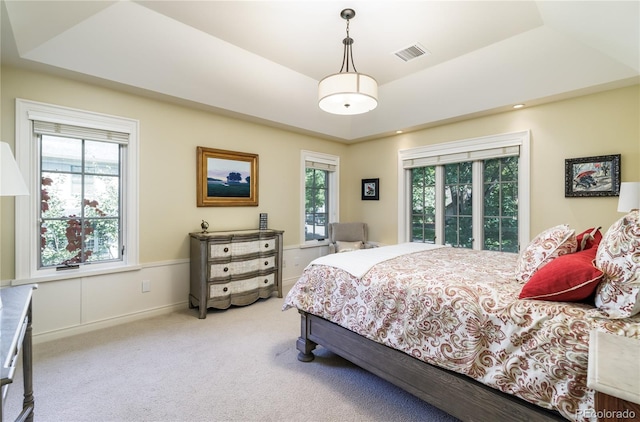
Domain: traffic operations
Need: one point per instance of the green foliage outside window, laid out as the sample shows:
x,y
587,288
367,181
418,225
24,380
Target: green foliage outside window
x,y
458,223
423,204
499,198
79,201
316,204
500,184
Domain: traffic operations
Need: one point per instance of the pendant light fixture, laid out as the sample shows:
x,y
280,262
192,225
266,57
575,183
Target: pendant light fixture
x,y
348,92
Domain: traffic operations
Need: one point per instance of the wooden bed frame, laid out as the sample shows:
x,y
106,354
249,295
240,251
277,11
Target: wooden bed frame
x,y
458,395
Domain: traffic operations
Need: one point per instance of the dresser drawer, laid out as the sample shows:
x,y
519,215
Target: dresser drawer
x,y
237,268
219,290
220,250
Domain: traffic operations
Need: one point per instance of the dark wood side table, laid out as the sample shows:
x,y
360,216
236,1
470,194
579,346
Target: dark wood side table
x,y
614,372
15,322
614,409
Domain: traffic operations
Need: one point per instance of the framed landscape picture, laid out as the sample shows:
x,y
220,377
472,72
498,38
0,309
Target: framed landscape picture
x,y
592,176
226,178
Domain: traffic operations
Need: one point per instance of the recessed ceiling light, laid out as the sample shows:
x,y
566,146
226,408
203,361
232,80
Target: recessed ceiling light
x,y
398,131
518,106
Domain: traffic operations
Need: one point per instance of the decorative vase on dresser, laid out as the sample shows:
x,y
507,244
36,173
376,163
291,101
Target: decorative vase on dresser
x,y
234,268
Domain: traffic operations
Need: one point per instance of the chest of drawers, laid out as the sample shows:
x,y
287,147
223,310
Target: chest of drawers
x,y
234,268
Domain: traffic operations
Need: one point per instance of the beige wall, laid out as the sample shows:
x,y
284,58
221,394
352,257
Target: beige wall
x,y
598,124
169,135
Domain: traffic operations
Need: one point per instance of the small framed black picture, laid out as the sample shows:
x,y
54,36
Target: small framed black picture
x,y
592,176
370,189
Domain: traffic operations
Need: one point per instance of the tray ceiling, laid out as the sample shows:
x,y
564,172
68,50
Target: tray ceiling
x,y
262,60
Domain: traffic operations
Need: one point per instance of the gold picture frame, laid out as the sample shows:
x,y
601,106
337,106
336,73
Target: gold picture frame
x,y
226,178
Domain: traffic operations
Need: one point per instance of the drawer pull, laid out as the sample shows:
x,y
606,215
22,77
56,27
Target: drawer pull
x,y
266,262
226,269
226,250
226,289
266,280
266,245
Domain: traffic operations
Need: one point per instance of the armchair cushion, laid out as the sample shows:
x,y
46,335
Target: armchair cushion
x,y
342,246
343,236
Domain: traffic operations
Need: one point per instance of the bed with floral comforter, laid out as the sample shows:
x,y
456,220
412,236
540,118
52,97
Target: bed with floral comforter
x,y
458,309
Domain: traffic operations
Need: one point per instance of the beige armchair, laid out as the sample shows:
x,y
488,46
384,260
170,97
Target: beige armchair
x,y
345,237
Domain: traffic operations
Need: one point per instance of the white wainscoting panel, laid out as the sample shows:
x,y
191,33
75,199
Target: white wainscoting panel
x,y
295,260
67,307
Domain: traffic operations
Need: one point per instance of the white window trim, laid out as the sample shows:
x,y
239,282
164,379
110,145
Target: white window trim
x,y
506,140
334,192
27,207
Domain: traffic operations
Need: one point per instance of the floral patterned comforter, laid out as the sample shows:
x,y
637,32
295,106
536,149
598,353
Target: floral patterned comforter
x,y
459,309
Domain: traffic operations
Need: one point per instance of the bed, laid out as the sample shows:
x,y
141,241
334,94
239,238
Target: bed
x,y
449,324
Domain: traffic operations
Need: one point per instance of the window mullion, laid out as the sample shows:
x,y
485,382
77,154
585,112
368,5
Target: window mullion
x,y
477,206
501,202
82,208
439,240
423,199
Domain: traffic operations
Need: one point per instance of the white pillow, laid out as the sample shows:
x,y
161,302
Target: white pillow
x,y
544,248
342,246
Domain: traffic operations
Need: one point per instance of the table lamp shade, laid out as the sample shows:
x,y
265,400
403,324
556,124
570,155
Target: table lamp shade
x,y
629,198
11,181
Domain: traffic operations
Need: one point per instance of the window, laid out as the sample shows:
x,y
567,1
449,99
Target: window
x,y
423,204
319,196
458,210
316,203
81,216
500,207
80,201
471,193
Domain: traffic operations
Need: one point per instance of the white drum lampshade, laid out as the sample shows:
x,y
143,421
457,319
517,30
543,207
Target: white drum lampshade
x,y
348,93
629,198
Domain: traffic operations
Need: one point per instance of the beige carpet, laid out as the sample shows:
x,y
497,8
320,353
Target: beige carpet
x,y
236,365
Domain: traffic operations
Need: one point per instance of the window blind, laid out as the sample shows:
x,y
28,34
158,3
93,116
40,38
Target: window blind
x,y
71,131
458,157
318,165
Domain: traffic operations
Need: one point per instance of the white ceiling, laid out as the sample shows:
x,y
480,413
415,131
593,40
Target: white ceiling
x,y
262,60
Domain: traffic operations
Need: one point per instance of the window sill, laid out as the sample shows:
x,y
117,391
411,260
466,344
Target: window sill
x,y
316,244
70,274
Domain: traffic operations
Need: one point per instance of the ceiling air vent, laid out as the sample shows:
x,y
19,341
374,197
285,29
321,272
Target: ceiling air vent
x,y
412,52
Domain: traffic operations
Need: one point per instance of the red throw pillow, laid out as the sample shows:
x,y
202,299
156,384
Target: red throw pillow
x,y
589,238
568,278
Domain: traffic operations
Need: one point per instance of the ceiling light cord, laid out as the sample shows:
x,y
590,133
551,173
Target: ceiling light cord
x,y
347,55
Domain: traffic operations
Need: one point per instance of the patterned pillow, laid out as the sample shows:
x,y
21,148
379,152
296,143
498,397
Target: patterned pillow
x,y
342,246
618,256
568,278
551,243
